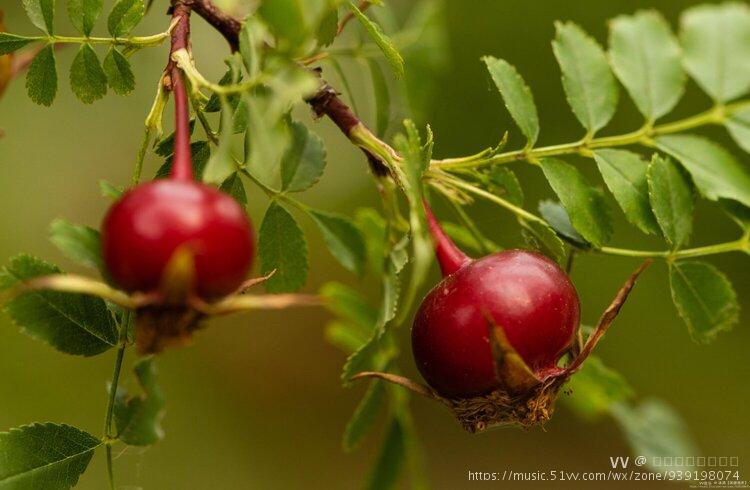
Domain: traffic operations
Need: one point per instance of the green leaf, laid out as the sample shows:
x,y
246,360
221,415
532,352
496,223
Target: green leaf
x,y
373,228
10,42
304,161
41,13
364,416
655,430
125,15
221,164
588,81
79,243
41,79
584,204
349,305
540,236
595,389
138,417
286,20
646,58
382,97
87,78
49,456
282,247
381,40
343,239
624,172
83,14
235,188
716,45
715,172
390,461
704,297
503,183
738,125
516,95
201,151
671,196
251,47
739,213
328,27
345,336
119,74
165,147
110,190
71,323
557,217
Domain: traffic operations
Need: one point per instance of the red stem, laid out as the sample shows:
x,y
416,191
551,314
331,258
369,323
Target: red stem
x,y
182,164
449,256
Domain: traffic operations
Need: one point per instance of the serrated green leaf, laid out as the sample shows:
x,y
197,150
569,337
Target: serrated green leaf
x,y
49,456
716,45
595,389
304,161
738,125
646,58
235,188
83,14
382,98
558,219
125,15
71,323
715,171
584,204
138,417
671,196
704,297
119,74
588,81
624,172
79,243
41,13
364,416
654,431
343,239
87,78
516,95
282,247
381,40
41,79
390,461
201,152
10,42
540,236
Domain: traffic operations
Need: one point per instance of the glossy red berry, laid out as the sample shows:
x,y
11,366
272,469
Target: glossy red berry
x,y
524,293
147,225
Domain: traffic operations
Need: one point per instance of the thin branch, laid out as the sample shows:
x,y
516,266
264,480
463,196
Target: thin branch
x,y
228,26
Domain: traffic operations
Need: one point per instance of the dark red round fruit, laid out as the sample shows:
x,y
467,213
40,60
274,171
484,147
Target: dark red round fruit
x,y
525,294
147,225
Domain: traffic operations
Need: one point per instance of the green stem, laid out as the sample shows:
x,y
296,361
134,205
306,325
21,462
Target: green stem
x,y
140,42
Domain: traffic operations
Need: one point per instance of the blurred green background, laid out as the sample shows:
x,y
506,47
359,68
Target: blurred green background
x,y
257,402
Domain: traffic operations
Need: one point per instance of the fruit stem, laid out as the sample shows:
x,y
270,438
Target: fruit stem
x,y
182,165
449,256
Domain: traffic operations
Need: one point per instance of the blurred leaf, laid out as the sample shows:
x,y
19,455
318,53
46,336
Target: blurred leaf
x,y
383,42
716,45
83,14
343,239
738,125
267,139
138,417
251,44
221,164
282,247
464,238
382,97
655,430
110,190
390,461
739,213
10,42
201,152
516,95
286,19
646,58
165,147
373,228
41,13
624,172
585,206
595,389
49,456
364,416
235,188
329,27
229,78
119,74
71,323
554,214
502,182
716,173
304,161
125,15
671,196
345,336
589,85
349,305
41,79
79,243
87,78
704,298
540,236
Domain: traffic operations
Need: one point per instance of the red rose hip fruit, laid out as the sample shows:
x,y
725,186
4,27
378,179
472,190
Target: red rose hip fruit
x,y
149,224
524,293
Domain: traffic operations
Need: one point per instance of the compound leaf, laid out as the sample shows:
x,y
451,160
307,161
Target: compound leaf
x,y
87,78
